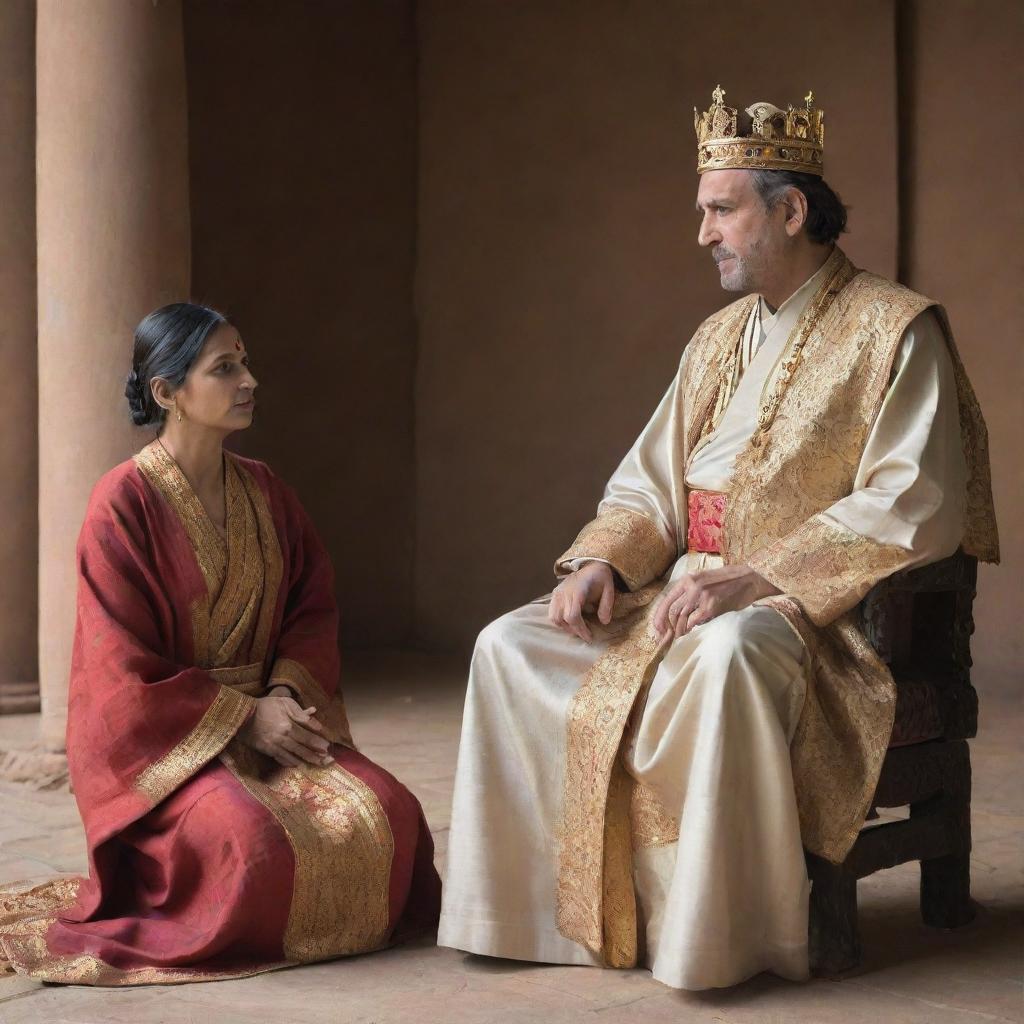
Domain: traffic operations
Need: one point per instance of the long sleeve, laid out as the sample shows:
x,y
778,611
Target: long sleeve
x,y
635,529
139,723
907,505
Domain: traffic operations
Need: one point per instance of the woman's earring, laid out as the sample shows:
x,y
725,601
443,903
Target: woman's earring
x,y
177,412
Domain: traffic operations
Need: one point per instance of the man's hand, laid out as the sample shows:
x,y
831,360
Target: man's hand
x,y
702,596
284,731
592,585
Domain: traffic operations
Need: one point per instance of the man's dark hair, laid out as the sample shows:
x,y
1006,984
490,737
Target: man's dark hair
x,y
826,215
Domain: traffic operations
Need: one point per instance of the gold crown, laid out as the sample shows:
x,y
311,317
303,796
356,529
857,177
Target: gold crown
x,y
777,140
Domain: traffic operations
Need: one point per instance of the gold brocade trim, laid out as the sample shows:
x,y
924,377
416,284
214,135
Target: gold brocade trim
x,y
710,365
628,540
272,563
235,608
343,849
242,571
827,568
216,728
839,271
981,535
27,914
243,678
22,900
618,893
651,823
591,848
157,466
732,367
843,731
27,951
330,710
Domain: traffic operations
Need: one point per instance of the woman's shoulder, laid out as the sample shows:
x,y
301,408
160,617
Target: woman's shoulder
x,y
118,503
117,487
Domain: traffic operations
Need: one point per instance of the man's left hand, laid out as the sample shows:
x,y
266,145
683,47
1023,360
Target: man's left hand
x,y
701,596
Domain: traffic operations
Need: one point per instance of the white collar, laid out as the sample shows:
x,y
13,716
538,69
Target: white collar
x,y
794,305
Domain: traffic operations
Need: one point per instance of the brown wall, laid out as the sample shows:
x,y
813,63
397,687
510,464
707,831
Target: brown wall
x,y
303,163
963,246
559,277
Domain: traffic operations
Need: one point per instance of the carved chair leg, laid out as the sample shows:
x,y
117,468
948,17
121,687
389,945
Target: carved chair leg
x,y
946,891
834,936
946,881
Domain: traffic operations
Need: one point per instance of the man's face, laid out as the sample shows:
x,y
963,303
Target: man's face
x,y
746,239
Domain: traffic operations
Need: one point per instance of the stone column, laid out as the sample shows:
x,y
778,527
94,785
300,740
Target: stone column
x,y
113,243
19,690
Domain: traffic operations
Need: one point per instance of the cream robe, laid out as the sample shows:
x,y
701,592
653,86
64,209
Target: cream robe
x,y
711,737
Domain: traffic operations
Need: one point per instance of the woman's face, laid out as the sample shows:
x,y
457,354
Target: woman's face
x,y
219,391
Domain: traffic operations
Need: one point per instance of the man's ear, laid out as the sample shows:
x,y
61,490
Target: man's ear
x,y
795,204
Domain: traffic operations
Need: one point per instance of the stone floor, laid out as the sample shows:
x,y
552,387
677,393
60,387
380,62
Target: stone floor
x,y
406,711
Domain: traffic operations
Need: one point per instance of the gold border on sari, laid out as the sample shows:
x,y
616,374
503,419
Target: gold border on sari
x,y
343,847
224,717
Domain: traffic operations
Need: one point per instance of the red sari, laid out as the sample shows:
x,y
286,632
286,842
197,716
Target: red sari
x,y
208,860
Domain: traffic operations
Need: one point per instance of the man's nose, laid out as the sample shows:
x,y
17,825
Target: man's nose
x,y
707,235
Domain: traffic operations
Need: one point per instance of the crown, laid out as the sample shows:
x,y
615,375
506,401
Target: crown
x,y
777,140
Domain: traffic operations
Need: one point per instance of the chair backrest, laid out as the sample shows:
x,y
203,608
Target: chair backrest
x,y
920,622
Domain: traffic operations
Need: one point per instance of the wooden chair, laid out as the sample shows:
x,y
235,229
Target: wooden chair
x,y
920,622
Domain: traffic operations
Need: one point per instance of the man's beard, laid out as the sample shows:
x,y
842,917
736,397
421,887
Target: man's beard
x,y
740,275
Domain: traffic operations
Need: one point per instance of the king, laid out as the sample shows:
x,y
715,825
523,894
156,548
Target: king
x,y
648,751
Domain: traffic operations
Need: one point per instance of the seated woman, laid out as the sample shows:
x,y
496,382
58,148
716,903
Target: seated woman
x,y
232,826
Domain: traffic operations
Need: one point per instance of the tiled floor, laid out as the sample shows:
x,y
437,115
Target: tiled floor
x,y
406,713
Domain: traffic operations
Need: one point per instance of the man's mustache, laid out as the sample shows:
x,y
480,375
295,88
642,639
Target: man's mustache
x,y
720,253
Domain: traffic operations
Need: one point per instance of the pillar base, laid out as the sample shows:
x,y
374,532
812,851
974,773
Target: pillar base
x,y
19,698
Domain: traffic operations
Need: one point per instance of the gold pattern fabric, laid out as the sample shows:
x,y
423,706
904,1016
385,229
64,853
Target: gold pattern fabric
x,y
343,850
651,824
629,541
618,907
827,568
981,535
28,941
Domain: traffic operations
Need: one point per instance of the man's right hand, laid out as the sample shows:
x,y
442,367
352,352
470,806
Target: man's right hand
x,y
589,587
285,731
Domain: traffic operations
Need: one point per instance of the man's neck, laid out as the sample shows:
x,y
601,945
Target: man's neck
x,y
796,273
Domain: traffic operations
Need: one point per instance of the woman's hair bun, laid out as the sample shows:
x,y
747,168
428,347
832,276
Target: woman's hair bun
x,y
135,392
